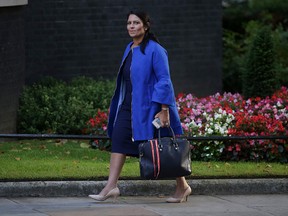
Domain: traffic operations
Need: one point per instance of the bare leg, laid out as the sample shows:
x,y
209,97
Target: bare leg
x,y
182,192
181,186
117,161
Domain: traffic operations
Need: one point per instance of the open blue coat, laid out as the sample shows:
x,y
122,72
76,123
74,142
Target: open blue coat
x,y
151,87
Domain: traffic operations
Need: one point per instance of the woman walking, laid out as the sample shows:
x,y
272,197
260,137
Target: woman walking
x,y
144,91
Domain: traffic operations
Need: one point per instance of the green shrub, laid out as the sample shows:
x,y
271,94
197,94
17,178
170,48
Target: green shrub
x,y
233,56
280,45
53,106
241,22
280,41
259,78
278,7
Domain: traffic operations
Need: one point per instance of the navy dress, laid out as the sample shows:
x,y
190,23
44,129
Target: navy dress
x,y
122,131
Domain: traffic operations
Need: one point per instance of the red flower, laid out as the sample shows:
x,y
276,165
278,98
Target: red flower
x,y
180,95
98,124
238,148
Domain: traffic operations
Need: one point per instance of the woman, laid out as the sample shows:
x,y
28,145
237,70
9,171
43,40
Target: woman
x,y
144,91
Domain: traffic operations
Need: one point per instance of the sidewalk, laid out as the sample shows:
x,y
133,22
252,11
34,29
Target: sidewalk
x,y
197,205
217,197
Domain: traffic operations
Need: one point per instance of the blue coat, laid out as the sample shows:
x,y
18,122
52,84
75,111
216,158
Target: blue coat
x,y
151,87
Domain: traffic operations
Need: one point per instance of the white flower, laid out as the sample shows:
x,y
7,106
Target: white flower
x,y
217,116
279,104
222,131
210,131
192,124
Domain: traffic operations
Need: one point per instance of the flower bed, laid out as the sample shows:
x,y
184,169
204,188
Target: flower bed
x,y
229,115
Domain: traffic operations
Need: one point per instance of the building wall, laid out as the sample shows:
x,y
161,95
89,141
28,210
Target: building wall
x,y
12,65
68,38
76,37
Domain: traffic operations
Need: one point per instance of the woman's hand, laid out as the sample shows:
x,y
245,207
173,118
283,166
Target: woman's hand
x,y
164,117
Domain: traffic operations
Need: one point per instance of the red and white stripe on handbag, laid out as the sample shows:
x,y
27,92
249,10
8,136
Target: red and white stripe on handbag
x,y
155,157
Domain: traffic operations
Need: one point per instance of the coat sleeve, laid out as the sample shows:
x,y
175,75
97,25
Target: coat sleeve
x,y
163,91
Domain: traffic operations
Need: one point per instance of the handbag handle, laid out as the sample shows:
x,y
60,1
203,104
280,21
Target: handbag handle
x,y
173,139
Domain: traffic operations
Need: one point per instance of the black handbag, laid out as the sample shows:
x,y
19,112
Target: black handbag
x,y
165,157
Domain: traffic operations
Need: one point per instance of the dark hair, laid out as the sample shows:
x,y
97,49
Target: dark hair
x,y
146,22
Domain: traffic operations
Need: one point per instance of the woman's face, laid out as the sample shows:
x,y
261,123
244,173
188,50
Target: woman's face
x,y
135,27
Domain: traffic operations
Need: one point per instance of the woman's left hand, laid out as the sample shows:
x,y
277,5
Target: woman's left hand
x,y
164,117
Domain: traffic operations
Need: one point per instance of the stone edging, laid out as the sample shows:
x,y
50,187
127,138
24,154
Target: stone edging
x,y
144,187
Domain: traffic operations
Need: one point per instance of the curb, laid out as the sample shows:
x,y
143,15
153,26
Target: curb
x,y
144,187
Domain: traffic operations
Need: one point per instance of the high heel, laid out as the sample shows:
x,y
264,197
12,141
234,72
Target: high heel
x,y
180,199
112,193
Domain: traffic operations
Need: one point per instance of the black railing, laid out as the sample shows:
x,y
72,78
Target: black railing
x,y
97,137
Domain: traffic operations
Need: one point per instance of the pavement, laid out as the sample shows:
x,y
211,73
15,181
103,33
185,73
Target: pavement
x,y
235,197
197,205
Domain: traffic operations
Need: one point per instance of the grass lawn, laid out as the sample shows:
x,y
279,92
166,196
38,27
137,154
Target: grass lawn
x,y
74,160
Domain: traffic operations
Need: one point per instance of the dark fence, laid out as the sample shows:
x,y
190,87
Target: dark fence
x,y
96,137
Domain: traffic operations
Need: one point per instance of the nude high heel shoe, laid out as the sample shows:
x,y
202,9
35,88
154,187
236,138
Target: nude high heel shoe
x,y
180,199
112,193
